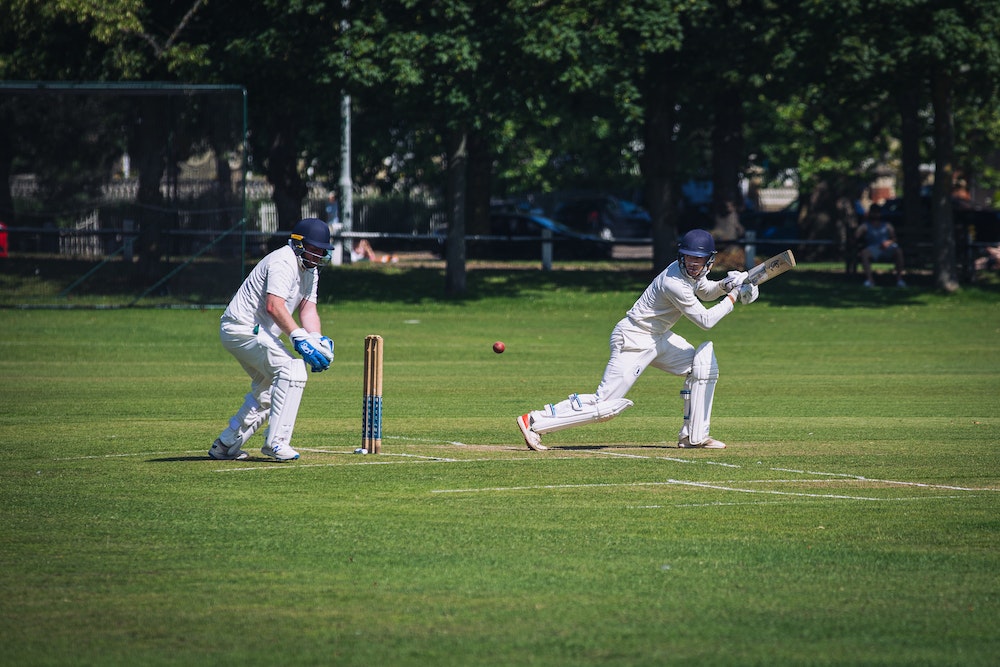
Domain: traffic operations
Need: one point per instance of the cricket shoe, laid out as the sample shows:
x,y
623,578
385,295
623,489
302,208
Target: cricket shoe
x,y
710,443
531,439
281,452
220,452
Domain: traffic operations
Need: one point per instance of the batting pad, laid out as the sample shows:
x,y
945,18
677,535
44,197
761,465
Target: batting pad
x,y
580,413
244,423
701,385
286,395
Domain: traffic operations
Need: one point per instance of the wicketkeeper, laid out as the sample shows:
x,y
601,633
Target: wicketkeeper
x,y
644,338
283,283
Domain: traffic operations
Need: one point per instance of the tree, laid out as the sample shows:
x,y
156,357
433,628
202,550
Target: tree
x,y
477,99
444,62
950,55
280,51
80,40
626,53
888,65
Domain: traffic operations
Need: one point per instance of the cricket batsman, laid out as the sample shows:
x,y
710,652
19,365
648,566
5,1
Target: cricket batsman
x,y
644,338
282,284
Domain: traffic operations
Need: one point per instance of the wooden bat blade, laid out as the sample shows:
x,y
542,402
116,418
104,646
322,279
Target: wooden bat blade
x,y
770,268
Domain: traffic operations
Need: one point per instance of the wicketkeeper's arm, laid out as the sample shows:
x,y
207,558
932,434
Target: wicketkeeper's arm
x,y
278,311
309,316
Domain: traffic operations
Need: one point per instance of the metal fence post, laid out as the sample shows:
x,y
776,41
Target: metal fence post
x,y
750,247
546,249
128,239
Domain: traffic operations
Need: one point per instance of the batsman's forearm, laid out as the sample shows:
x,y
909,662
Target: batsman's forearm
x,y
706,318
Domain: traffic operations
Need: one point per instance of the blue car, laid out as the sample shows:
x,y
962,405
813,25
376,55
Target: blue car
x,y
606,217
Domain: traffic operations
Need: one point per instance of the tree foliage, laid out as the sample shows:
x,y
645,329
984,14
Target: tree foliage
x,y
638,95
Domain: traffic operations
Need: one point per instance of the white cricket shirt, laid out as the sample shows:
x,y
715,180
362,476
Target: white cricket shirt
x,y
279,274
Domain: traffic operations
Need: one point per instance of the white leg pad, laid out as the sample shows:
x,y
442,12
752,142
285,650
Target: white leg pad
x,y
244,423
578,409
286,395
698,392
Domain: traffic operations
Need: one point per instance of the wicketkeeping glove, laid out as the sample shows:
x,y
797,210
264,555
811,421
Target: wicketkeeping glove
x,y
325,347
733,280
749,293
308,349
323,344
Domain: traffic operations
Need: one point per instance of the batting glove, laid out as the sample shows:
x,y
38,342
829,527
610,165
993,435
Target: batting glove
x,y
733,280
749,293
304,346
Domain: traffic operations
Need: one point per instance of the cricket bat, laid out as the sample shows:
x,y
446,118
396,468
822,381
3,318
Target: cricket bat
x,y
770,268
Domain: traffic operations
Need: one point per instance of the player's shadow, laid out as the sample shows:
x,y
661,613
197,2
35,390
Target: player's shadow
x,y
176,459
205,459
611,447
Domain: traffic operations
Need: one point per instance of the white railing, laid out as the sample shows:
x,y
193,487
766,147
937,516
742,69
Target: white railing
x,y
81,241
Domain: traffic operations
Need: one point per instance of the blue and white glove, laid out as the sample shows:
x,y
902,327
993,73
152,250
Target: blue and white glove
x,y
749,293
323,344
305,346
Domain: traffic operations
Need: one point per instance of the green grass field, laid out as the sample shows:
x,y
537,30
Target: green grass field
x,y
854,518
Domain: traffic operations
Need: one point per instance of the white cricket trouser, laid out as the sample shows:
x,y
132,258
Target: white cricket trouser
x,y
262,357
633,350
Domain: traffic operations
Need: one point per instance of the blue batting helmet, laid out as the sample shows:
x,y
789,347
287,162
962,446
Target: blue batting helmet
x,y
696,243
313,231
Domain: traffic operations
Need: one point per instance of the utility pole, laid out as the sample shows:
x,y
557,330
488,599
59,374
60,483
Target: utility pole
x,y
346,187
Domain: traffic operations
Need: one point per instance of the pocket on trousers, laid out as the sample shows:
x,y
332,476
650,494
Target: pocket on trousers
x,y
633,340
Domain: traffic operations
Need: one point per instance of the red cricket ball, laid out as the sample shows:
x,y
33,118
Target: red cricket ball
x,y
499,347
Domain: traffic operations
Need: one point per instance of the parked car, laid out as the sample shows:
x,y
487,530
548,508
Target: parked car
x,y
781,226
783,223
515,235
606,217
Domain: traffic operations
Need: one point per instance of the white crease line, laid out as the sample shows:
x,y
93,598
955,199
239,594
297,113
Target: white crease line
x,y
704,485
548,486
369,460
862,478
501,489
455,443
399,454
659,458
671,482
430,459
755,503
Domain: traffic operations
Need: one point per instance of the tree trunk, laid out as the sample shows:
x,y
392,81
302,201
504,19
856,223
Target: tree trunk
x,y
455,256
945,269
148,151
480,185
909,110
727,159
823,218
6,161
658,158
283,175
